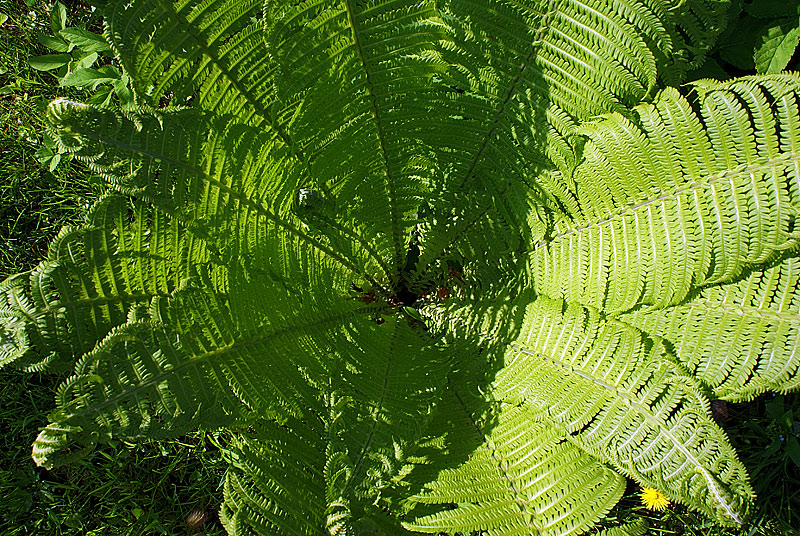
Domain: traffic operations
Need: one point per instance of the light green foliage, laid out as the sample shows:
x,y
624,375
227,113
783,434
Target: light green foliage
x,y
779,35
442,266
777,47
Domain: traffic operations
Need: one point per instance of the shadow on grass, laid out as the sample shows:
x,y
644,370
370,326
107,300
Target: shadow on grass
x,y
169,487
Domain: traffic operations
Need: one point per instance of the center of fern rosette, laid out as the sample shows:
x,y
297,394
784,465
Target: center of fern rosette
x,y
404,293
308,199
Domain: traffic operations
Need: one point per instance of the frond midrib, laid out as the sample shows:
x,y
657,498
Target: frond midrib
x,y
377,408
519,500
389,178
217,353
623,211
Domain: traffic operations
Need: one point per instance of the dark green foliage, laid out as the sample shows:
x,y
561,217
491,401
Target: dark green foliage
x,y
762,35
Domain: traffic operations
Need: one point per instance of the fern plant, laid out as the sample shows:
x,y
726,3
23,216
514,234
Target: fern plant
x,y
441,266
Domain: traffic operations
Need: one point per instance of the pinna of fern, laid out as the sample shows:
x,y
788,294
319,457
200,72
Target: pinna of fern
x,y
615,252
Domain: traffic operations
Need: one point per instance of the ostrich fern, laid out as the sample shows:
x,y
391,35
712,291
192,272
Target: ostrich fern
x,y
442,266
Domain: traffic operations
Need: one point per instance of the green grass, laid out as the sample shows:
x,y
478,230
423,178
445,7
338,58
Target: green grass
x,y
34,203
130,489
166,487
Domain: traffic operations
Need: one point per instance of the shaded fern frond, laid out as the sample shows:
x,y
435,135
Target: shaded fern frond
x,y
524,478
678,200
392,376
694,26
277,483
302,477
95,277
521,76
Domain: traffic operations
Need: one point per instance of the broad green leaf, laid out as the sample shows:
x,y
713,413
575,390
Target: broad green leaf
x,y
793,448
101,97
85,40
48,62
47,157
123,91
58,17
91,78
54,43
777,47
82,60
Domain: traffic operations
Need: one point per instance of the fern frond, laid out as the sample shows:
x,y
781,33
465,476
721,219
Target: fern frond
x,y
634,528
386,380
95,276
347,451
360,74
740,339
679,200
524,478
208,53
277,483
693,26
431,258
621,400
522,76
227,186
212,55
194,363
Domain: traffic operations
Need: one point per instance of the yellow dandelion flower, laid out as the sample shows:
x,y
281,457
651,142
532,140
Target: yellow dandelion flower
x,y
654,499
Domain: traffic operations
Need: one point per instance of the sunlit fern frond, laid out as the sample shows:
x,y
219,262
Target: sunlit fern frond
x,y
619,397
210,54
741,339
678,200
94,278
226,184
